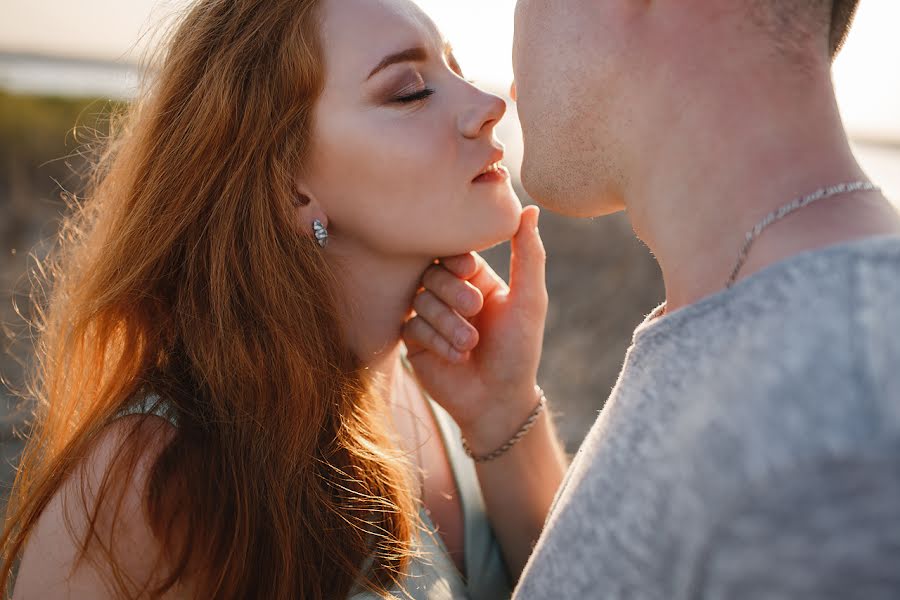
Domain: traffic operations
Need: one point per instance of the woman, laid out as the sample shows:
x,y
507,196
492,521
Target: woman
x,y
224,407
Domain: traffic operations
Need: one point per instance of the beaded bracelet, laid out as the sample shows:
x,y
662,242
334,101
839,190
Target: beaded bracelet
x,y
526,426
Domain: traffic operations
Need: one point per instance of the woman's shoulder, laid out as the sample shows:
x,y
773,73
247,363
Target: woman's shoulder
x,y
92,506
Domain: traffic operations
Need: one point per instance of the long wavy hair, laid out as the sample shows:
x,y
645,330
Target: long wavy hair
x,y
183,270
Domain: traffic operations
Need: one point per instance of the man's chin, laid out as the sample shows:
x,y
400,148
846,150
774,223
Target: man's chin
x,y
576,206
566,196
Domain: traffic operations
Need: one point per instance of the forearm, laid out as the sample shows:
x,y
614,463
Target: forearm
x,y
519,487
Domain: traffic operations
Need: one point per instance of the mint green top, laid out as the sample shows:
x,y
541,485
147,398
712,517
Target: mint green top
x,y
435,576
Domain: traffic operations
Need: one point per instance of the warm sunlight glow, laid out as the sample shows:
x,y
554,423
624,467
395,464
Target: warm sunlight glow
x,y
867,73
481,33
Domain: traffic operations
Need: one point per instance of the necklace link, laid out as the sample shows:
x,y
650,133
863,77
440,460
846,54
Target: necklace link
x,y
777,215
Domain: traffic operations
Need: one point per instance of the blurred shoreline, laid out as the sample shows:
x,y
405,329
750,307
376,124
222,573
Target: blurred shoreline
x,y
40,74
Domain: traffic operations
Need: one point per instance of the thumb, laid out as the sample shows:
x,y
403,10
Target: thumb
x,y
527,271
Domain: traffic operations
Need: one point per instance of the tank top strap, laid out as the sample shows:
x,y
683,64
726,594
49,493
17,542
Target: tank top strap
x,y
149,402
486,570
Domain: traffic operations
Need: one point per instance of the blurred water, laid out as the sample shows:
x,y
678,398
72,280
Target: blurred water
x,y
55,76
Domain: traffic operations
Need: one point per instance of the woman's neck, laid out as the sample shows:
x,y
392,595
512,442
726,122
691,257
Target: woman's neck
x,y
376,300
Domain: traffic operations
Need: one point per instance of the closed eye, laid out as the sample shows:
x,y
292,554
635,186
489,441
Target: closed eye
x,y
422,95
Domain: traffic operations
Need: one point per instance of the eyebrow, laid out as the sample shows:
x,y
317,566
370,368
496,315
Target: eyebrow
x,y
417,54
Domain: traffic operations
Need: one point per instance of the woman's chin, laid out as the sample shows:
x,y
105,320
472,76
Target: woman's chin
x,y
505,210
489,245
484,225
501,231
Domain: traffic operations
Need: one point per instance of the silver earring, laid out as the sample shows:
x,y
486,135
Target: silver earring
x,y
321,233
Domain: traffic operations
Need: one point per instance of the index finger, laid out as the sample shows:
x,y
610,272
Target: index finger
x,y
474,269
461,265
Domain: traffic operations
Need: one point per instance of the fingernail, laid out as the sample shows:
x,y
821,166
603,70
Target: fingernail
x,y
455,356
462,337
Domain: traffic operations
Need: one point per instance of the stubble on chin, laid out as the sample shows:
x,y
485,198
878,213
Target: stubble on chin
x,y
572,164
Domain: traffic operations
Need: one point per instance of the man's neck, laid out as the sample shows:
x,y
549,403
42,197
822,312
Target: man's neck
x,y
724,166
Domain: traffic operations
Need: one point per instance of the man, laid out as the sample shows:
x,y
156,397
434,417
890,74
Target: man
x,y
751,447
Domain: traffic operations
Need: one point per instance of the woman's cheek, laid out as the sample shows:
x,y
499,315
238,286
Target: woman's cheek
x,y
391,178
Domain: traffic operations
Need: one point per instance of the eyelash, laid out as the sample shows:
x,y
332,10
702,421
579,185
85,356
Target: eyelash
x,y
415,97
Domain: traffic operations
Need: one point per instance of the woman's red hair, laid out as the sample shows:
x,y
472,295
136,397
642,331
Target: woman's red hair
x,y
184,271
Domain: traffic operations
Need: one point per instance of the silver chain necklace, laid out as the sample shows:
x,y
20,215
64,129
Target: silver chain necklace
x,y
773,217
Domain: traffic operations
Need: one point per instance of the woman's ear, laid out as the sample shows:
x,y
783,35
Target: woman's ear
x,y
301,199
308,209
302,194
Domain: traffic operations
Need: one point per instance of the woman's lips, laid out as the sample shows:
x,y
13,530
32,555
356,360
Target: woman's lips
x,y
497,173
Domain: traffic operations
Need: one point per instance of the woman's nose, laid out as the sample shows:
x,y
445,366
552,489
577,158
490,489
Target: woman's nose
x,y
482,116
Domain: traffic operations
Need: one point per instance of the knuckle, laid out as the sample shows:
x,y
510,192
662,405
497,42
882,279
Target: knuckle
x,y
469,263
437,342
443,285
544,299
477,299
434,309
430,275
410,328
420,304
449,322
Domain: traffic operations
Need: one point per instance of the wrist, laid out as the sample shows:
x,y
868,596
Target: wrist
x,y
495,429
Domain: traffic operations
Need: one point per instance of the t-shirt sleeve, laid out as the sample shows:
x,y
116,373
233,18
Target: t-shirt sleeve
x,y
829,532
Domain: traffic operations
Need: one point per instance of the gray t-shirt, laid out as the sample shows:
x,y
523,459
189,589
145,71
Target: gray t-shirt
x,y
750,449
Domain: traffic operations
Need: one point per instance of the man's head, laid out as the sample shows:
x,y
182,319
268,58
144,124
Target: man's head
x,y
598,82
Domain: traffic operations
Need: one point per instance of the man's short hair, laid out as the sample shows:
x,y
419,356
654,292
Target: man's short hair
x,y
793,23
842,12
